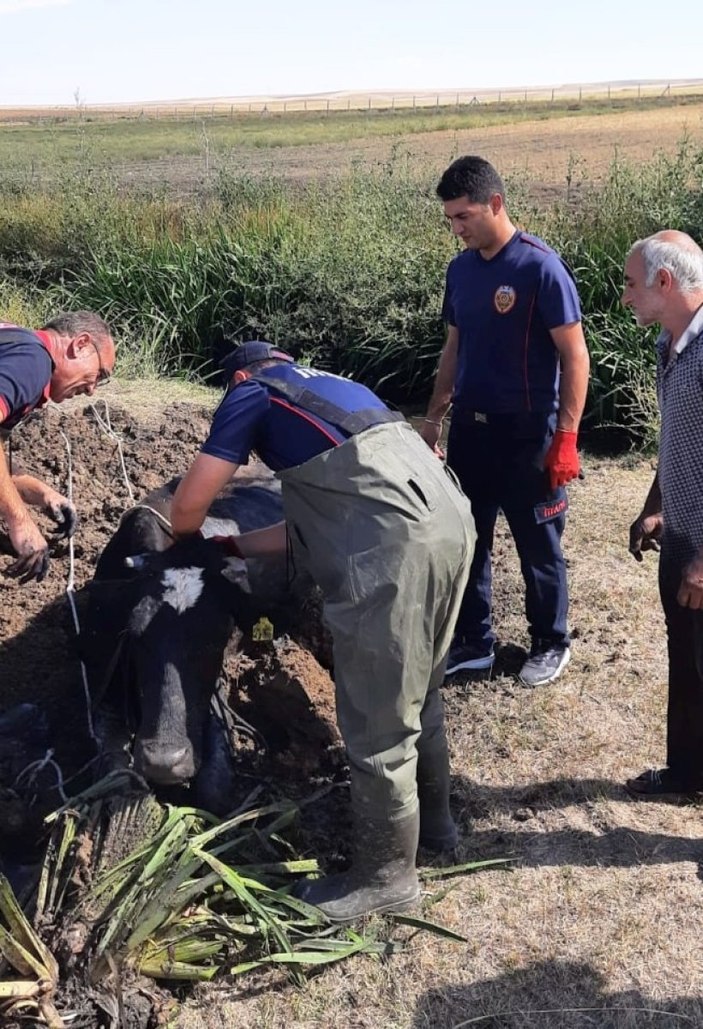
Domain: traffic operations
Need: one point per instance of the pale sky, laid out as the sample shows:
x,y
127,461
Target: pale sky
x,y
131,50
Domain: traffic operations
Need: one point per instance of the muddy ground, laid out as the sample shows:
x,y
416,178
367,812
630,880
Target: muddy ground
x,y
598,922
116,458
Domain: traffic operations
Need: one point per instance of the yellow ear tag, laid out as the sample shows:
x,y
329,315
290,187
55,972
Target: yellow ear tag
x,y
263,630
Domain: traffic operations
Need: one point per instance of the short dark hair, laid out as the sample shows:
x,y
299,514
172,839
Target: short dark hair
x,y
472,177
73,323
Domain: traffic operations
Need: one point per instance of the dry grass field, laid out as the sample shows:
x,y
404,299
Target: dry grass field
x,y
544,149
552,153
598,923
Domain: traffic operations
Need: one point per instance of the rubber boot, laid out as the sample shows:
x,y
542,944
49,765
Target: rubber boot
x,y
382,876
438,831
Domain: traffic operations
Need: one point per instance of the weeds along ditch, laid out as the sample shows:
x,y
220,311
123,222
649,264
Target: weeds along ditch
x,y
347,272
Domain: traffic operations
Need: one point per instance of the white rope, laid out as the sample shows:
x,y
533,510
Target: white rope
x,y
33,769
70,591
104,424
152,510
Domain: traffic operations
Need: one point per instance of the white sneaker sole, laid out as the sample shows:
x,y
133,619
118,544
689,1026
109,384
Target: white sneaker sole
x,y
476,664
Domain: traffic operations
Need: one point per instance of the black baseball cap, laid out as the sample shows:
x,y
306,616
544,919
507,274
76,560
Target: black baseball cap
x,y
251,352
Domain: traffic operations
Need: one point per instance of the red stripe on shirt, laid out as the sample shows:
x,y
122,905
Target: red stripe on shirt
x,y
4,409
306,416
525,350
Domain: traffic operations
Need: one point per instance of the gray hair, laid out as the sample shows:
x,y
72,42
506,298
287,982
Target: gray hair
x,y
73,323
684,263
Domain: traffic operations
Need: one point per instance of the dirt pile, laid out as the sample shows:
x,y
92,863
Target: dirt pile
x,y
115,457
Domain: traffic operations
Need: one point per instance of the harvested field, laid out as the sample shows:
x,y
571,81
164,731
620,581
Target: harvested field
x,y
597,923
546,151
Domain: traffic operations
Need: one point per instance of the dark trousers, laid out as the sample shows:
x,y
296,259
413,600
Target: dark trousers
x,y
500,465
684,736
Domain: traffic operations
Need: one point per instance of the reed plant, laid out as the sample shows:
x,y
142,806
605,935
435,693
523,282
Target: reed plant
x,y
129,888
347,273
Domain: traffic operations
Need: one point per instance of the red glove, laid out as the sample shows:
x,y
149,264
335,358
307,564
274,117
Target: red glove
x,y
229,545
562,460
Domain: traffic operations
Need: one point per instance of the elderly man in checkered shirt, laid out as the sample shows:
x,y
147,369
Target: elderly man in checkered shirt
x,y
664,285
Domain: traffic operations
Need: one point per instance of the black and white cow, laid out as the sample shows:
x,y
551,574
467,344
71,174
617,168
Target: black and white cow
x,y
159,617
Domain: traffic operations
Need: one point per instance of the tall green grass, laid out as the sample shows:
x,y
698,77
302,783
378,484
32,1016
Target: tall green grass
x,y
348,274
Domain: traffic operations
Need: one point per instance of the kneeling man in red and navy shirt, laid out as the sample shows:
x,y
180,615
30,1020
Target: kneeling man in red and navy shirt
x,y
68,357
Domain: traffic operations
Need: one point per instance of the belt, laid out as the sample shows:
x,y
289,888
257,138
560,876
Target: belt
x,y
502,419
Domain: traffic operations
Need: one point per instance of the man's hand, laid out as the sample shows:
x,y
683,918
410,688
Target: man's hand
x,y
64,514
691,589
32,550
430,430
645,534
229,545
562,459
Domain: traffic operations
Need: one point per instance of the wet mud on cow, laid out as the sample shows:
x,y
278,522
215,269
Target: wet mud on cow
x,y
155,633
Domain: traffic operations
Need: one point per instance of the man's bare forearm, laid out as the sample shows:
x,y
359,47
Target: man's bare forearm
x,y
572,392
268,542
12,508
575,366
446,377
32,490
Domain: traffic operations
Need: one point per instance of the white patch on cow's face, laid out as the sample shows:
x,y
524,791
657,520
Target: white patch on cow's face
x,y
182,587
236,571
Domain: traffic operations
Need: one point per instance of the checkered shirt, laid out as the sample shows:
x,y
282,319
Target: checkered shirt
x,y
680,395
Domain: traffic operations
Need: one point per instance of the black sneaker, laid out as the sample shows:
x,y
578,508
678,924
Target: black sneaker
x,y
469,657
543,666
662,782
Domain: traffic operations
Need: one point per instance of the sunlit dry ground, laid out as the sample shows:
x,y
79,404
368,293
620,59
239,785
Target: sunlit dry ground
x,y
598,923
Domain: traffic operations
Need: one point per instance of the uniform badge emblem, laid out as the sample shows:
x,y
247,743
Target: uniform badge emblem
x,y
504,299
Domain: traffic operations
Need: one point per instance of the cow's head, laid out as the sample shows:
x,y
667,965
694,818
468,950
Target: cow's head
x,y
156,640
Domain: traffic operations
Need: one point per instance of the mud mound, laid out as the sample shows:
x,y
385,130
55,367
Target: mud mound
x,y
284,692
115,458
39,654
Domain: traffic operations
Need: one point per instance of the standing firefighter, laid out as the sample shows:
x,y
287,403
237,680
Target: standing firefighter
x,y
388,537
515,366
69,357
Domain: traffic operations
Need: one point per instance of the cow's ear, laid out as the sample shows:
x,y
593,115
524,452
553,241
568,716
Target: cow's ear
x,y
235,571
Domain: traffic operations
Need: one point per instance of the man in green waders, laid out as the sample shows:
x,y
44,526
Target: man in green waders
x,y
388,537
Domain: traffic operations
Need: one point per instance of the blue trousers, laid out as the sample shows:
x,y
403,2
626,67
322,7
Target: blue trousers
x,y
499,461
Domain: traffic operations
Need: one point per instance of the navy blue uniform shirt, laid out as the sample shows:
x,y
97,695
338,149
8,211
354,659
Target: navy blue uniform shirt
x,y
25,373
504,308
253,416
